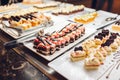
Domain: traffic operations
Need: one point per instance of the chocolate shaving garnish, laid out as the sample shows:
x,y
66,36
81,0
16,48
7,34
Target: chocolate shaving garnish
x,y
18,18
64,27
38,37
14,18
48,42
24,17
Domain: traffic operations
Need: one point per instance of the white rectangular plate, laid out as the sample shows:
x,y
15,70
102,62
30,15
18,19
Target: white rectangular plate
x,y
76,71
62,50
67,17
13,33
100,19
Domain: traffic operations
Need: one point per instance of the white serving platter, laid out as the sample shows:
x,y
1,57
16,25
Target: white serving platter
x,y
67,17
99,20
62,50
76,71
15,34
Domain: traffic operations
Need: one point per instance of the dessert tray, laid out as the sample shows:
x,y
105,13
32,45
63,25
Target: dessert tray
x,y
18,24
8,8
76,70
69,16
30,45
15,34
103,18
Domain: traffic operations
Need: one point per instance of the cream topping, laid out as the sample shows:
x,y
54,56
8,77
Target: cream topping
x,y
92,61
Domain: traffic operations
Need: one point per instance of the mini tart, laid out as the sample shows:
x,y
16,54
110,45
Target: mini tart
x,y
114,46
100,56
92,63
77,55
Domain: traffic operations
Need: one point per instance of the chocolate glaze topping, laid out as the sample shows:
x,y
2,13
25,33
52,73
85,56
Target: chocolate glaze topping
x,y
106,32
78,48
98,37
108,42
102,34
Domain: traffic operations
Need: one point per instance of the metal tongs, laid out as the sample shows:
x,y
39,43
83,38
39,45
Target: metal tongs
x,y
22,41
6,24
111,18
107,20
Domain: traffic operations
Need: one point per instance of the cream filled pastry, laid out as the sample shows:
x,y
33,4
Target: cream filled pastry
x,y
100,56
89,43
78,54
108,49
102,51
92,63
114,46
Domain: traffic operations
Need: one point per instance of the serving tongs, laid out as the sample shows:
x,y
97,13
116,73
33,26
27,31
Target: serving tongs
x,y
6,25
114,19
22,41
17,43
111,18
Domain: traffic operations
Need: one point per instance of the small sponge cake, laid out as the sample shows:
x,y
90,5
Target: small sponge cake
x,y
92,63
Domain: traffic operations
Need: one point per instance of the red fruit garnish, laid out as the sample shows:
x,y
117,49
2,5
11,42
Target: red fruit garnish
x,y
36,41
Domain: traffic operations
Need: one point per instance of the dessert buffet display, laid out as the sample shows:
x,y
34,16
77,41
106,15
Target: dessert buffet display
x,y
86,18
80,50
91,59
68,10
49,46
116,26
25,21
8,7
95,50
